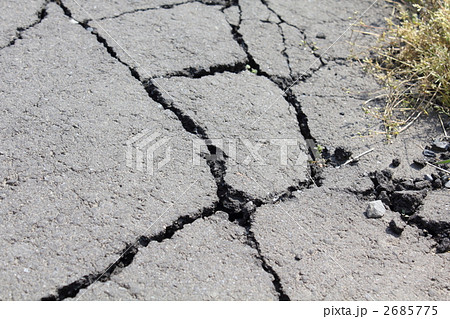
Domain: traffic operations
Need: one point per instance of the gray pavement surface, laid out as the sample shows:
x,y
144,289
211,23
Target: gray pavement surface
x,y
324,248
169,150
170,41
252,126
208,260
17,16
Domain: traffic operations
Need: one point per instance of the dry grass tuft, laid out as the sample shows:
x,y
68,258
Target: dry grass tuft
x,y
413,61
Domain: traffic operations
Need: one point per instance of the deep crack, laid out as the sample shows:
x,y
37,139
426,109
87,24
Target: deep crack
x,y
126,257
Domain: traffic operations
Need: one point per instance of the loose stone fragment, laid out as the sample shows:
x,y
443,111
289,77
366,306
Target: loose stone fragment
x,y
375,209
440,146
397,226
395,162
429,153
321,35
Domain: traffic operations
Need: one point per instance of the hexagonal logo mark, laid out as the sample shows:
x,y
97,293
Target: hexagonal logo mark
x,y
141,148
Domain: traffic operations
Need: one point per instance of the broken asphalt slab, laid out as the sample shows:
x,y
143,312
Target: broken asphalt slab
x,y
207,91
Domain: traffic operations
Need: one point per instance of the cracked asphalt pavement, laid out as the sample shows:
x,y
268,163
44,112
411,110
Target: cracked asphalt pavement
x,y
193,150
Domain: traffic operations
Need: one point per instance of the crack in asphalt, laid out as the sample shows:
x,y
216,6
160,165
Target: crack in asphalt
x,y
163,6
127,256
234,202
239,206
41,14
284,85
197,73
305,39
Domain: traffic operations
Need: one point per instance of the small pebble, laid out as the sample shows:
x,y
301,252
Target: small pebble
x,y
447,185
440,146
429,153
375,209
444,180
321,35
397,225
395,162
428,177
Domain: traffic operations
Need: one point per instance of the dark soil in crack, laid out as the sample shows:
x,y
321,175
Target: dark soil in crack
x,y
406,197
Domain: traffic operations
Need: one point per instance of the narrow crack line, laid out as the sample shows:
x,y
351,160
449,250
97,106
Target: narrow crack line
x,y
284,51
41,14
164,6
310,44
282,296
264,2
305,39
127,256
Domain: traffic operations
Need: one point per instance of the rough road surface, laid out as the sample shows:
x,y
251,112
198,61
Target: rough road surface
x,y
193,150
